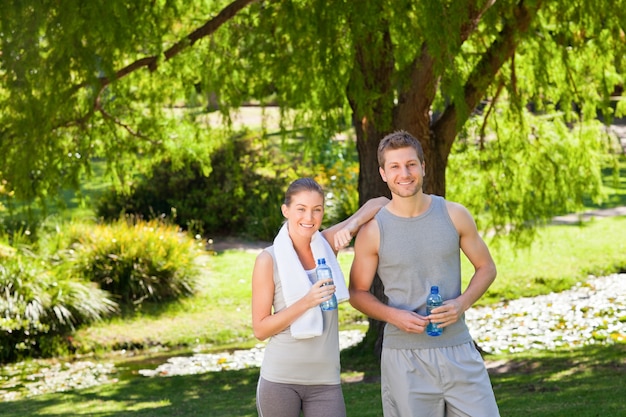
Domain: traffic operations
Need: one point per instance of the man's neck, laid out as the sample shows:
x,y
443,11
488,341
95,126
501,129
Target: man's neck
x,y
409,206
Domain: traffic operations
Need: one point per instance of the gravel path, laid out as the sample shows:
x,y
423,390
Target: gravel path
x,y
593,312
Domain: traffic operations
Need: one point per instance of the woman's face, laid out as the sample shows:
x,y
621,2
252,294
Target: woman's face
x,y
305,213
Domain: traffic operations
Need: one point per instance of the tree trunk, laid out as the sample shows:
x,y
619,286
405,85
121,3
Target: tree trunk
x,y
371,184
412,112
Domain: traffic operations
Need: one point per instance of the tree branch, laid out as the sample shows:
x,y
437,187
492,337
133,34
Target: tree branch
x,y
124,126
423,86
486,69
151,62
474,16
208,28
490,109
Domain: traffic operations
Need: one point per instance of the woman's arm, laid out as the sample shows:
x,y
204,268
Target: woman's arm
x,y
340,235
264,323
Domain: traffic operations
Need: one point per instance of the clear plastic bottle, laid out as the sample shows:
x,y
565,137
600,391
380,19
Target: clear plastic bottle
x,y
323,271
434,300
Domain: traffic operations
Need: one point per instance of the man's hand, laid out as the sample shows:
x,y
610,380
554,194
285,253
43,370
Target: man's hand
x,y
408,321
449,313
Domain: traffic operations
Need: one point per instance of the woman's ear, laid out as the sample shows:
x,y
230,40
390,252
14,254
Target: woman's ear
x,y
285,210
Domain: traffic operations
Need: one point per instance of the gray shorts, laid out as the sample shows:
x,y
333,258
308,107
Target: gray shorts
x,y
438,382
287,400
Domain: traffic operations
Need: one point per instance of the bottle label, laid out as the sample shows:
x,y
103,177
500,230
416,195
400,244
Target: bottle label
x,y
433,301
324,272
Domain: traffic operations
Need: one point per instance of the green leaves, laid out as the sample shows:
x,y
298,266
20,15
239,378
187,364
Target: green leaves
x,y
527,171
100,80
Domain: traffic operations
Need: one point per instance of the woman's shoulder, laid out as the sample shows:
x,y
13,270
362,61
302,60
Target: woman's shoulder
x,y
266,255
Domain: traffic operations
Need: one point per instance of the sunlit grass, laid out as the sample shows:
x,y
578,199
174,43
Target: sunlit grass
x,y
559,257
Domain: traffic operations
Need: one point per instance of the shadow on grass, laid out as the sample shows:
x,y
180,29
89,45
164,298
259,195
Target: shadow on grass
x,y
584,382
216,394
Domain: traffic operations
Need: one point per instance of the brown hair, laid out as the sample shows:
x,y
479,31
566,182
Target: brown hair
x,y
396,140
302,184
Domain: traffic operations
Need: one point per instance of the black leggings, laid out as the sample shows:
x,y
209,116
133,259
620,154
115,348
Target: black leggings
x,y
287,400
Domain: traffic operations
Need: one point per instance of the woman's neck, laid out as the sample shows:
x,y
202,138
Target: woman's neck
x,y
302,246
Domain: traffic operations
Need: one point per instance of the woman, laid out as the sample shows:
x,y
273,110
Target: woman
x,y
300,370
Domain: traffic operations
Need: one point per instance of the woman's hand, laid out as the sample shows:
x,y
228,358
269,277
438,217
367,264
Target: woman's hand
x,y
343,237
320,292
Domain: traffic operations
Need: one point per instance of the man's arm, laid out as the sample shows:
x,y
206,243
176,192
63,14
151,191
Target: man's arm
x,y
477,252
362,275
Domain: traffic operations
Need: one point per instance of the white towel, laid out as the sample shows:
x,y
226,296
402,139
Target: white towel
x,y
295,282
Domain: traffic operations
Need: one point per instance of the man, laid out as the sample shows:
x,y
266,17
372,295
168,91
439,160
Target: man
x,y
413,243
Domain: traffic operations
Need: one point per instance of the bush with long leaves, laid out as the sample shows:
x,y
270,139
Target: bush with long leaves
x,y
38,307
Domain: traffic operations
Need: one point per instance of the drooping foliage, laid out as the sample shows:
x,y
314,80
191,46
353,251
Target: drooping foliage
x,y
108,80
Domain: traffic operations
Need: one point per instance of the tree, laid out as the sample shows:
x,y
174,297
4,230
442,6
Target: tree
x,y
514,87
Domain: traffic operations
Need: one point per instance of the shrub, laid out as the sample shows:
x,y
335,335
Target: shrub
x,y
243,192
71,275
241,195
340,183
38,309
136,260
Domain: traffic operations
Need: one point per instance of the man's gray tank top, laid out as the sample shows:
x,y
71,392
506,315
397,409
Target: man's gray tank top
x,y
313,361
414,254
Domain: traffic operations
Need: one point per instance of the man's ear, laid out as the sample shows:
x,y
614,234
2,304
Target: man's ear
x,y
382,174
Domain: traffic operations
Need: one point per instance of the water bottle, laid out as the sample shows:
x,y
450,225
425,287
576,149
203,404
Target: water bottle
x,y
323,272
434,300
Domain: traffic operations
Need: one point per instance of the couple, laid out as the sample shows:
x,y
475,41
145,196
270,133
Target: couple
x,y
413,242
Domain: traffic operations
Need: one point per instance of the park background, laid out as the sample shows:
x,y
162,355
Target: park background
x,y
128,164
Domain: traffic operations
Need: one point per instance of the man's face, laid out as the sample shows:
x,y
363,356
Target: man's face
x,y
403,172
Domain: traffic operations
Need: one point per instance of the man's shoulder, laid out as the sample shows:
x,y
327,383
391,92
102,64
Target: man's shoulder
x,y
454,206
369,232
371,225
449,204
